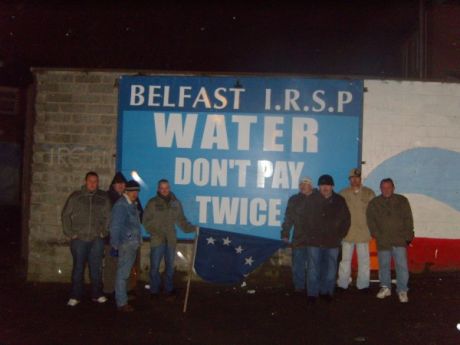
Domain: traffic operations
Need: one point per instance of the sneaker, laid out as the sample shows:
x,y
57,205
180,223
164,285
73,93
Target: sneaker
x,y
384,292
126,308
73,302
100,300
403,297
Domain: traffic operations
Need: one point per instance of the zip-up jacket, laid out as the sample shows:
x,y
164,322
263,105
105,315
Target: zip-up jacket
x,y
86,214
160,219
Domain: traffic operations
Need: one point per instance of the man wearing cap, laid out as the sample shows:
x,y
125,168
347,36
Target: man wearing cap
x,y
125,237
326,222
357,198
390,221
293,217
162,213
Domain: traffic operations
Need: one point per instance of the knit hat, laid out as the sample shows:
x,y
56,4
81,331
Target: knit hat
x,y
306,179
132,186
355,172
118,178
325,180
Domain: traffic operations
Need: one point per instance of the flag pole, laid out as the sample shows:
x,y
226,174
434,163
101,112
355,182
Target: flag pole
x,y
190,271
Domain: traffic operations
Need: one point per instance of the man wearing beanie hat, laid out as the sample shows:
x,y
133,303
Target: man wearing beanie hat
x,y
293,217
357,198
115,192
326,222
125,237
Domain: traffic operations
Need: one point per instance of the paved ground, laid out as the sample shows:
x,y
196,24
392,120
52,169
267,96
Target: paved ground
x,y
37,314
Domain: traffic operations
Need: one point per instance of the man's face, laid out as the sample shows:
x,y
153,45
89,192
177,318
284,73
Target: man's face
x,y
164,189
92,182
119,187
325,190
132,195
387,189
305,188
355,181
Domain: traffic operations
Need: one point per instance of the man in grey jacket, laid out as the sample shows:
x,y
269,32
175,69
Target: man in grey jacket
x,y
85,220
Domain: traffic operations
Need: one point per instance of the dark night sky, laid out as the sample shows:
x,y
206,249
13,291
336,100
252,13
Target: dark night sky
x,y
319,38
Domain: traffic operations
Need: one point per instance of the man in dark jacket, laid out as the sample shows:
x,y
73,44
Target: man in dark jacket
x,y
293,217
327,220
390,221
85,219
162,213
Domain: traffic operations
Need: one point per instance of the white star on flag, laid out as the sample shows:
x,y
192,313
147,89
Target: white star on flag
x,y
248,261
211,240
239,249
227,241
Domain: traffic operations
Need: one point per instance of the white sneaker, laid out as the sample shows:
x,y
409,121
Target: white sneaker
x,y
73,302
101,299
403,297
384,292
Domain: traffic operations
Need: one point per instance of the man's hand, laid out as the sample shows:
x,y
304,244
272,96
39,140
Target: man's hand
x,y
285,239
74,237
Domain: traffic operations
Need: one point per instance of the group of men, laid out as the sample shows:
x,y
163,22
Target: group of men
x,y
325,222
92,218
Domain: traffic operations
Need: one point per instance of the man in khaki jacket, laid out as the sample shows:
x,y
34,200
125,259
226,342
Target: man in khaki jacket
x,y
357,198
390,220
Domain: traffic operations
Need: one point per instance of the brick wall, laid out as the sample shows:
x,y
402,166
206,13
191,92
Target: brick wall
x,y
75,131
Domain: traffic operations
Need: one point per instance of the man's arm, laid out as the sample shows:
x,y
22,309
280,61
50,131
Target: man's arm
x,y
345,219
117,222
66,216
408,220
371,219
183,223
148,219
288,222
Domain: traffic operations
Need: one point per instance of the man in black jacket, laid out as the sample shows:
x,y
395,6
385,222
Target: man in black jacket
x,y
327,220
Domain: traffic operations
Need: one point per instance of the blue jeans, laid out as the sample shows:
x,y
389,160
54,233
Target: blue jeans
x,y
127,253
299,268
90,252
321,270
362,251
156,255
399,255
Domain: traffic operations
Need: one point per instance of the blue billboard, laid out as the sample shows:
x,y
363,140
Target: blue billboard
x,y
235,147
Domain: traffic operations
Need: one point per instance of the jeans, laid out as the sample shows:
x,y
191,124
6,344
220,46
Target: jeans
x,y
299,268
321,270
399,255
127,253
156,254
362,250
90,252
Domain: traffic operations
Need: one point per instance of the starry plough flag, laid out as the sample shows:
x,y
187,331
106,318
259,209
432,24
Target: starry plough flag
x,y
227,257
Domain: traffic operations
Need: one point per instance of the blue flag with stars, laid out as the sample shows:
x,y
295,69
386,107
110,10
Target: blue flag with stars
x,y
227,257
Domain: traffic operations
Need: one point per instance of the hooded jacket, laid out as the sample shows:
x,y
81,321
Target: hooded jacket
x,y
86,214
